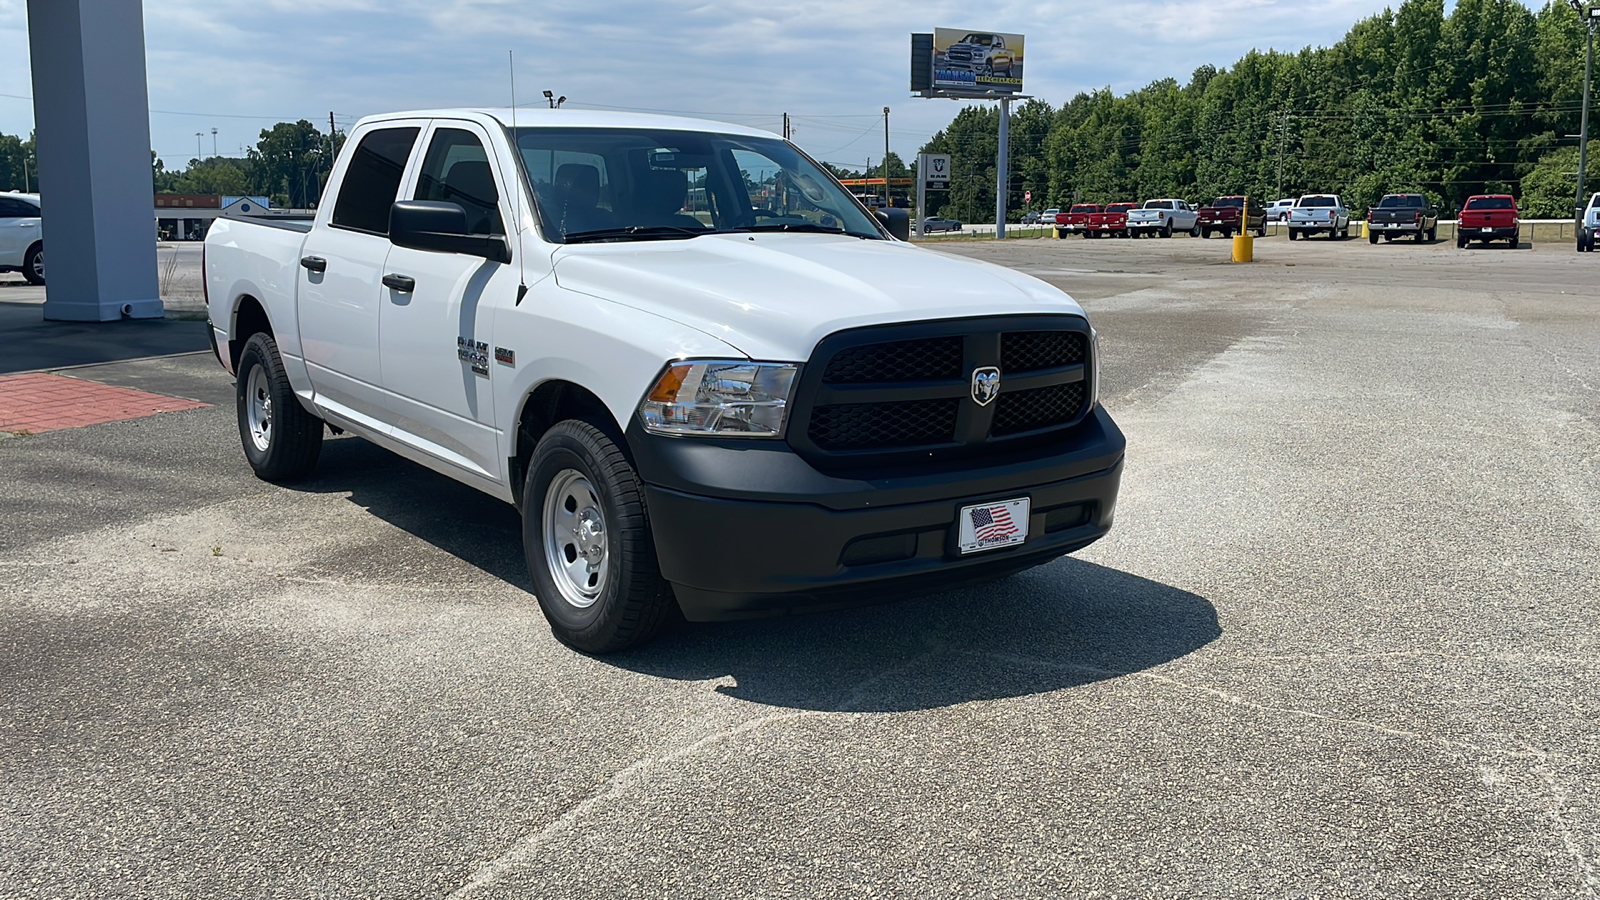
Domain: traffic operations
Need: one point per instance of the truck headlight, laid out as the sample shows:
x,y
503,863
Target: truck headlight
x,y
1094,368
724,398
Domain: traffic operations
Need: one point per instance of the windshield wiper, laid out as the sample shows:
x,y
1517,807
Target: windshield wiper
x,y
636,232
805,227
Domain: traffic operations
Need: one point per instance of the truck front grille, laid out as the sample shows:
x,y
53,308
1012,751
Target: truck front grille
x,y
906,393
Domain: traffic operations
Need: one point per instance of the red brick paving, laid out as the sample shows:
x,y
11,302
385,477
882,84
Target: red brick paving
x,y
40,401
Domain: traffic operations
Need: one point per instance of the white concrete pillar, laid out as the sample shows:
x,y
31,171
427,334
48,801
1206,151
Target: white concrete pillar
x,y
91,108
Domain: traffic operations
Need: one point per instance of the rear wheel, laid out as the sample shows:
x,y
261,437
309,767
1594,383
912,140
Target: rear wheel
x,y
33,264
1372,237
281,440
586,535
1461,241
1205,234
1166,230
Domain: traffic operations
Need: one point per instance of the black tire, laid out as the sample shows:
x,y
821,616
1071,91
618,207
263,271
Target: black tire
x,y
288,446
632,603
1433,234
1262,231
33,264
1516,240
1166,230
1372,237
1461,241
1205,234
1195,231
1294,235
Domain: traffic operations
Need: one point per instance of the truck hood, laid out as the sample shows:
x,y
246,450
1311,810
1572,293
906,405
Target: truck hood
x,y
774,296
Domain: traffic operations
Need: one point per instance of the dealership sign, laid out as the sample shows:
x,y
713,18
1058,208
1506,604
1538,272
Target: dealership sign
x,y
988,61
935,170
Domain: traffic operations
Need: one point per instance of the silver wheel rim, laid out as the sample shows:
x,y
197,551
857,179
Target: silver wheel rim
x,y
575,539
258,409
38,265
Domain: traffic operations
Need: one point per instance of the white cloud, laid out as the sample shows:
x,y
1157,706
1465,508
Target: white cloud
x,y
833,63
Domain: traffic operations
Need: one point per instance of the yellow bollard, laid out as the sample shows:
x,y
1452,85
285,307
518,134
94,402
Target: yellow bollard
x,y
1244,248
1055,233
1364,231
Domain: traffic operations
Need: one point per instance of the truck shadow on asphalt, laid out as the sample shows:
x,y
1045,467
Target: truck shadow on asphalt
x,y
1063,625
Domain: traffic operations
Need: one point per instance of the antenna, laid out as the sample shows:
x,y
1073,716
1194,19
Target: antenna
x,y
516,170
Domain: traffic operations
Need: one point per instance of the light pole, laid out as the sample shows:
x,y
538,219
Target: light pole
x,y
213,142
1591,17
197,151
886,157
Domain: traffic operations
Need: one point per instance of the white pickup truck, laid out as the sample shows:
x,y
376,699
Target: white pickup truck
x,y
1591,225
703,372
1316,213
1164,217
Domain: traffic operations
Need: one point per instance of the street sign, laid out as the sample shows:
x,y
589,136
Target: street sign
x,y
1027,196
935,169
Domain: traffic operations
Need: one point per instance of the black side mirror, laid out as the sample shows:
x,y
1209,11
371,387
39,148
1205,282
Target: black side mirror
x,y
442,228
898,221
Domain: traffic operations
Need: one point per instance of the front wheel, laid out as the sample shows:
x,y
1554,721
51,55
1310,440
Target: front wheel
x,y
586,535
281,440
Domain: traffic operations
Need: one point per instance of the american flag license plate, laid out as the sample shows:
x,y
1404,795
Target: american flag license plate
x,y
989,526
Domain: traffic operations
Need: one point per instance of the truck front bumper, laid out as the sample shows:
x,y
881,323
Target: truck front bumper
x,y
751,529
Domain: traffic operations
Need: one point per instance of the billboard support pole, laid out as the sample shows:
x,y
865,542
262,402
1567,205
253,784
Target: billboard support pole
x,y
1002,177
922,194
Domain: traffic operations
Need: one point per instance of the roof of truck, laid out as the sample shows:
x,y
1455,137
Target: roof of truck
x,y
577,118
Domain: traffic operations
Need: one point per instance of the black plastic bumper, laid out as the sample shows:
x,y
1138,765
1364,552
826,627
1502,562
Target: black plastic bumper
x,y
747,529
1493,234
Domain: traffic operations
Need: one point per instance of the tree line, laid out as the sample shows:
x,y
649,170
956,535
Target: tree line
x,y
289,165
1477,101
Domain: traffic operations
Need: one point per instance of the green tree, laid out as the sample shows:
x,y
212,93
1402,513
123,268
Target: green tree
x,y
19,166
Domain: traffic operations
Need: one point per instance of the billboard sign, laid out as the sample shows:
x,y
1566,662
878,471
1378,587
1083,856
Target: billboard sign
x,y
978,61
935,170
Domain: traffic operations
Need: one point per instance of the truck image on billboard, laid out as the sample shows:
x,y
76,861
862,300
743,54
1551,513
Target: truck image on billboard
x,y
977,60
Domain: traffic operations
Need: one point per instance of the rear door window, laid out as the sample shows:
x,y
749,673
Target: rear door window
x,y
372,181
457,170
11,208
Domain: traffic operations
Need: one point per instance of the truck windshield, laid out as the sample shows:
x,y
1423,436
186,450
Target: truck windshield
x,y
1400,201
1316,201
1490,203
618,184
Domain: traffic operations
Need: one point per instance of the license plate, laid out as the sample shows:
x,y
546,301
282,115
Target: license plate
x,y
990,526
1488,229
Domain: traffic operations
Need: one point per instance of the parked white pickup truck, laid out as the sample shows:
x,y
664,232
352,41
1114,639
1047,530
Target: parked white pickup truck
x,y
1164,217
704,373
1315,213
1591,225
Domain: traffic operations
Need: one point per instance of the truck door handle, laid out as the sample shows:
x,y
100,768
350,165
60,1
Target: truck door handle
x,y
314,263
402,283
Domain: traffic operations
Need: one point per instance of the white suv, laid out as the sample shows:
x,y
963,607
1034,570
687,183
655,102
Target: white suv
x,y
21,246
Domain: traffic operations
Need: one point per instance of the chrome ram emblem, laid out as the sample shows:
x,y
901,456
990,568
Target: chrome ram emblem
x,y
985,385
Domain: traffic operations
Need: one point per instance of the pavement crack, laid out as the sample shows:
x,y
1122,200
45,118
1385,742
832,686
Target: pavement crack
x,y
637,774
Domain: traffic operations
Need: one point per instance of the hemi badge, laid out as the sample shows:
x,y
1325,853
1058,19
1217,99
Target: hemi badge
x,y
502,355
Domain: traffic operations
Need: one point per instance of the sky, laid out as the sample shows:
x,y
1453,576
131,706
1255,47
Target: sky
x,y
239,66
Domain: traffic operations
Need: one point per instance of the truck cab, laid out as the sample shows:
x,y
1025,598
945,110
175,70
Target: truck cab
x,y
697,403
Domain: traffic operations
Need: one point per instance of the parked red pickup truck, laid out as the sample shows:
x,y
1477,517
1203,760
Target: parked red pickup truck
x,y
1489,217
1113,220
1076,219
1227,213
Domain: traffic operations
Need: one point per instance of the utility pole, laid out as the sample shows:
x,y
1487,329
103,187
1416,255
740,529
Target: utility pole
x,y
786,126
1590,17
886,157
1283,136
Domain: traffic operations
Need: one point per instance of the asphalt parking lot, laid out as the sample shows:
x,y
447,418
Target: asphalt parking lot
x,y
1343,641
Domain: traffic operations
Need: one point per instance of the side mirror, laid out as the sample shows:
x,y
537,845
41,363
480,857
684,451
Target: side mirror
x,y
442,228
898,221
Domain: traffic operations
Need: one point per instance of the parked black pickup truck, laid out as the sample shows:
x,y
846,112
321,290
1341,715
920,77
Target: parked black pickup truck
x,y
1398,214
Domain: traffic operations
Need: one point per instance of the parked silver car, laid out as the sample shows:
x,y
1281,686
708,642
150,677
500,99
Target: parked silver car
x,y
936,223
